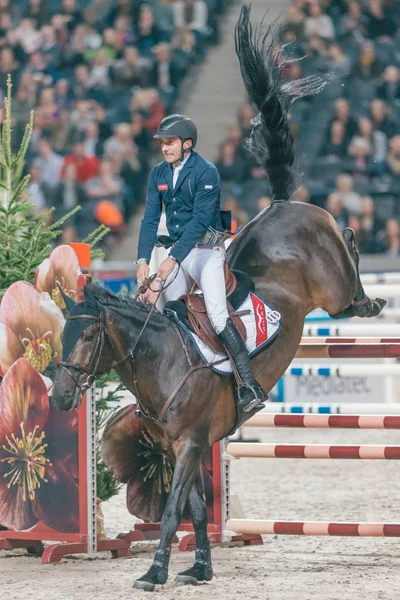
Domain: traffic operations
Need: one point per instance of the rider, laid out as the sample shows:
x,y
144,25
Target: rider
x,y
189,187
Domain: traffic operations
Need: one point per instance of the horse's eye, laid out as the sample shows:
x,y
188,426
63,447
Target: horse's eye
x,y
89,337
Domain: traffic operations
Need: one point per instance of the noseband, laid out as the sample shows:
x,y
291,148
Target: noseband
x,y
91,373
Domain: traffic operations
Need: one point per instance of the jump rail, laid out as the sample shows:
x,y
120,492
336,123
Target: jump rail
x,y
311,451
254,526
311,421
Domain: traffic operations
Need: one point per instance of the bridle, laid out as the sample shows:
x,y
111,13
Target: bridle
x,y
98,349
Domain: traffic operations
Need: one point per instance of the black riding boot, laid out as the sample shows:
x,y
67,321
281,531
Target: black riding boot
x,y
250,395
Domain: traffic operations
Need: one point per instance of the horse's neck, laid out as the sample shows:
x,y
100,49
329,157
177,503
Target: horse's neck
x,y
132,332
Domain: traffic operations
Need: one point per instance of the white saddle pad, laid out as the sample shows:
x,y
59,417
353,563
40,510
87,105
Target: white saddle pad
x,y
262,326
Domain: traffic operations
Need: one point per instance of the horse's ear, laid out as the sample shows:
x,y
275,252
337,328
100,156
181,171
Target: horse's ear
x,y
90,298
69,303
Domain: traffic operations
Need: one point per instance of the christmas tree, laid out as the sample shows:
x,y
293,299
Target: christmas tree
x,y
26,240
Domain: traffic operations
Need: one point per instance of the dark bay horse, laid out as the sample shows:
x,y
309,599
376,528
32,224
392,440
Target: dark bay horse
x,y
299,260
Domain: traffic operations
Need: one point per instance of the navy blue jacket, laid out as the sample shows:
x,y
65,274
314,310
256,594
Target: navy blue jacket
x,y
190,208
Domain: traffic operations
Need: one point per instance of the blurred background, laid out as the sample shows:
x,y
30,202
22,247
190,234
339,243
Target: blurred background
x,y
101,74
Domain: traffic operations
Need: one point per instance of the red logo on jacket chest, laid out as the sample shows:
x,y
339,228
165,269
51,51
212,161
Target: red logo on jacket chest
x,y
162,187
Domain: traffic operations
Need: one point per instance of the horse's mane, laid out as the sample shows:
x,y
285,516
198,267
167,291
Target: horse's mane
x,y
123,304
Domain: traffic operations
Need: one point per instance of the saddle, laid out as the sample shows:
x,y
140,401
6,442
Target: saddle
x,y
198,318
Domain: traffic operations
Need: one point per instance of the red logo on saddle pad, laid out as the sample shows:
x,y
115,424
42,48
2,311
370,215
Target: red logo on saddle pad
x,y
261,320
162,187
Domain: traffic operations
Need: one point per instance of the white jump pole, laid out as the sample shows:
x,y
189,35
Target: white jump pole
x,y
353,329
344,370
91,469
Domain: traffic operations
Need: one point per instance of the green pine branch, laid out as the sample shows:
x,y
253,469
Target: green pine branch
x,y
26,240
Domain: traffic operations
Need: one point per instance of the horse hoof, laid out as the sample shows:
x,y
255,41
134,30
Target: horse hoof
x,y
197,574
186,580
145,586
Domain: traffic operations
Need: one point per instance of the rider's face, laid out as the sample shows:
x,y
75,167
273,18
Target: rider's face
x,y
172,148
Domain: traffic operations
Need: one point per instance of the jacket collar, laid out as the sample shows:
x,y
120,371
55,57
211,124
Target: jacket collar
x,y
187,167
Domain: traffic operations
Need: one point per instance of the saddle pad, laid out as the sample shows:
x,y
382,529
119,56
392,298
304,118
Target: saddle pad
x,y
262,326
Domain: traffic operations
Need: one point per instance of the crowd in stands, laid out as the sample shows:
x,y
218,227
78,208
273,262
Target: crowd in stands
x,y
348,137
100,75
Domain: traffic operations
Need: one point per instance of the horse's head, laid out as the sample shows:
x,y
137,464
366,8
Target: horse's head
x,y
87,351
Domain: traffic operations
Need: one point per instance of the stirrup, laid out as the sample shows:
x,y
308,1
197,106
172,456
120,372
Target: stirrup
x,y
256,396
252,404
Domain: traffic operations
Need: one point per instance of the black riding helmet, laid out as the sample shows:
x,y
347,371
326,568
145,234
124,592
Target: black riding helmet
x,y
177,126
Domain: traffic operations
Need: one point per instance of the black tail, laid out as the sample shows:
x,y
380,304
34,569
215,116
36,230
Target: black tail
x,y
271,141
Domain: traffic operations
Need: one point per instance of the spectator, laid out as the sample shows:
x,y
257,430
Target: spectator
x,y
354,222
293,24
106,186
87,167
131,70
342,114
105,129
381,120
8,65
376,140
71,13
318,23
68,194
334,206
147,103
368,65
166,75
63,95
239,217
393,158
36,190
263,203
335,147
192,14
148,33
28,36
379,24
164,17
81,84
360,162
338,63
92,143
49,163
302,194
389,90
231,167
38,69
37,11
99,77
50,48
353,24
391,239
121,141
371,227
349,198
79,119
21,106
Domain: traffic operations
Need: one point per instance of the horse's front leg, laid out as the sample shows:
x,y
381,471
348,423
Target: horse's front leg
x,y
186,469
202,568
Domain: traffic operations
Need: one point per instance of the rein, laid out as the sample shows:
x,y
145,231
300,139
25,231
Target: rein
x,y
91,378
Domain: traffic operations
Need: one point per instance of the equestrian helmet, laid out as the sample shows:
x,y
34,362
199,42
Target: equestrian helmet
x,y
177,126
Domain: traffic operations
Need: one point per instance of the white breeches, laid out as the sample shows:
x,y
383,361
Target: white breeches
x,y
205,268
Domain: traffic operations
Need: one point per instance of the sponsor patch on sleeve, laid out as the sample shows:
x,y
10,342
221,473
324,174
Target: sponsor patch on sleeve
x,y
208,187
162,187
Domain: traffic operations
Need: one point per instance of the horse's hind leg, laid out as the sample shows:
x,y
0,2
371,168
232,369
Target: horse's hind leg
x,y
202,569
362,305
186,469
